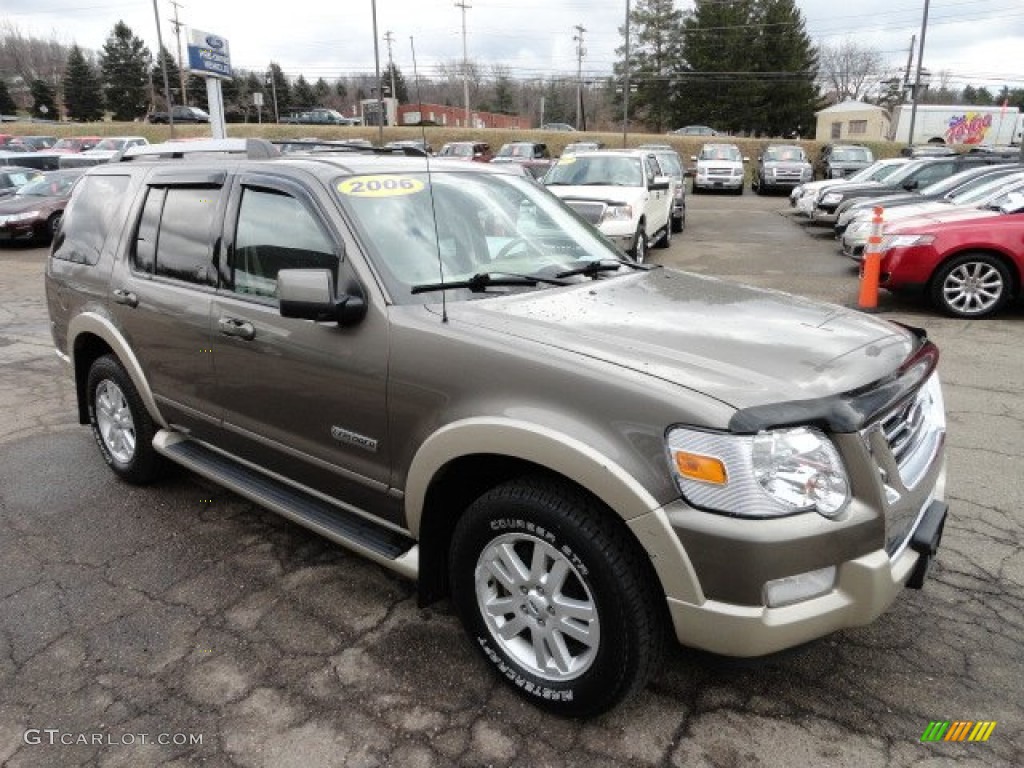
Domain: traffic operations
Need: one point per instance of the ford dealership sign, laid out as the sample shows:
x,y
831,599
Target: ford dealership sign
x,y
208,55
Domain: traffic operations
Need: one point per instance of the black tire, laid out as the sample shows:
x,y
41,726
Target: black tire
x,y
971,285
739,190
52,225
696,190
137,463
638,251
603,571
678,225
665,241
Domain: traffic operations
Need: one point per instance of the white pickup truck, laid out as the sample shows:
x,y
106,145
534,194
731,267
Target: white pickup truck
x,y
622,192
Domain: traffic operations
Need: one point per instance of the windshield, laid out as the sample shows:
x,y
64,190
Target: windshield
x,y
48,185
516,150
897,177
852,155
670,164
785,154
597,170
721,153
485,223
991,188
111,144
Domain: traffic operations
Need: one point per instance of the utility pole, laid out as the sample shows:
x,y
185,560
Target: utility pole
x,y
376,64
917,77
910,63
177,33
163,67
580,53
389,38
625,85
273,90
465,59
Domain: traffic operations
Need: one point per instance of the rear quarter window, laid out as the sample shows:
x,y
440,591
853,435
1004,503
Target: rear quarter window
x,y
90,216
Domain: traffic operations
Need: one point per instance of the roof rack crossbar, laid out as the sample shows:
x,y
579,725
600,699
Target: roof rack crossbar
x,y
254,149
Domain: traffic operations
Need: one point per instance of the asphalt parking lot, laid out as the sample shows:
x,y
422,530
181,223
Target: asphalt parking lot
x,y
180,613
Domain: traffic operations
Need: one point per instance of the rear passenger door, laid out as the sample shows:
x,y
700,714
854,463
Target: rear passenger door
x,y
161,294
303,399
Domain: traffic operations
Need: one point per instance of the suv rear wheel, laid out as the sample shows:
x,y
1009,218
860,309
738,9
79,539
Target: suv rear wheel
x,y
555,596
120,423
639,249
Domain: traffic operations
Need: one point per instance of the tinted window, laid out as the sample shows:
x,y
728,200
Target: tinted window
x,y
183,244
88,218
144,251
275,231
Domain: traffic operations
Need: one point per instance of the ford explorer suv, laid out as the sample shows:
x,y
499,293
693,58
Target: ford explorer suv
x,y
442,367
719,166
838,161
781,166
624,193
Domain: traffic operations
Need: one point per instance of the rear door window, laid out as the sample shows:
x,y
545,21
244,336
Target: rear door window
x,y
89,216
176,234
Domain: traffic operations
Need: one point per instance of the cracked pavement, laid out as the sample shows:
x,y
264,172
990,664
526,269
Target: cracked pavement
x,y
182,609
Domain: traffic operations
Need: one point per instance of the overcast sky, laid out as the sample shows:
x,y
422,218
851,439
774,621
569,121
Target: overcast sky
x,y
980,42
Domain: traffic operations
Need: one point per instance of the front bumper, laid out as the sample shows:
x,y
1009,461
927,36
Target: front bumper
x,y
718,182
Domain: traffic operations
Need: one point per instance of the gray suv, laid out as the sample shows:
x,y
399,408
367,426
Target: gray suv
x,y
440,366
781,166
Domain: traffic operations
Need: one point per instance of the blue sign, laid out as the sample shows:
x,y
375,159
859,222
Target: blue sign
x,y
208,55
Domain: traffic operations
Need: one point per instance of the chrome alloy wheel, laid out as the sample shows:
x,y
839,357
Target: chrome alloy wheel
x,y
973,287
114,420
537,607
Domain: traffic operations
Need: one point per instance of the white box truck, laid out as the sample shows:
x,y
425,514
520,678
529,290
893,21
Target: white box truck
x,y
958,124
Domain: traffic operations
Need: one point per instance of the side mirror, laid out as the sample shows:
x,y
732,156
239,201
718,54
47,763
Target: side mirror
x,y
661,182
911,185
746,159
1014,203
693,158
308,294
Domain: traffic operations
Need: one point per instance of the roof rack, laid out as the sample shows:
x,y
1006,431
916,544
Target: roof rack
x,y
341,145
254,149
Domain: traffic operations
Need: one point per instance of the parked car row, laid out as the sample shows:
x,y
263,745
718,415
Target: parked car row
x,y
952,226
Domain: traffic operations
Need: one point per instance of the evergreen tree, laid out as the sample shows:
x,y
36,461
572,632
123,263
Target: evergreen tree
x,y
321,90
720,41
341,90
504,99
401,89
284,90
7,105
785,95
173,78
303,93
124,62
656,59
44,102
83,92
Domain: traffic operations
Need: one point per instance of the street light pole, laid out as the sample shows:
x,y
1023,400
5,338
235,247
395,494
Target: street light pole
x,y
917,77
465,61
163,67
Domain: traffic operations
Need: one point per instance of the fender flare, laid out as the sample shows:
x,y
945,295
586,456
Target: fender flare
x,y
98,325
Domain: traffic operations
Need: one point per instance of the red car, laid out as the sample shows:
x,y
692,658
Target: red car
x,y
969,262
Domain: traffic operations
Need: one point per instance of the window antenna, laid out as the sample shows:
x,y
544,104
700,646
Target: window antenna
x,y
430,183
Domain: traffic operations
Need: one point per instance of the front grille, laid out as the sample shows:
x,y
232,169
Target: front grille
x,y
719,171
592,212
905,443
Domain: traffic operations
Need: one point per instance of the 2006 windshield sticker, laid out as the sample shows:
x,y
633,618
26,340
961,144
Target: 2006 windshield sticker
x,y
380,186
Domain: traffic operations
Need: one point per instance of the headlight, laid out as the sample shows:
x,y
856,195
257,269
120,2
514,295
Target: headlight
x,y
11,218
618,213
737,171
832,198
858,225
905,241
769,474
806,173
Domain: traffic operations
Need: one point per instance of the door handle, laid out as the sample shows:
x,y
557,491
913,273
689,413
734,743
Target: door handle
x,y
121,296
233,326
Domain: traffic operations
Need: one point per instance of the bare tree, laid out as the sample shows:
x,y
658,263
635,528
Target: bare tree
x,y
29,59
848,70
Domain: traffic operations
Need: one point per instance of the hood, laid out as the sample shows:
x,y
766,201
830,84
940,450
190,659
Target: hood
x,y
604,193
16,204
741,345
948,215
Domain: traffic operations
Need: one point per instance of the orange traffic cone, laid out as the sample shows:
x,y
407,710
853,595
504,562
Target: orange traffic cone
x,y
872,265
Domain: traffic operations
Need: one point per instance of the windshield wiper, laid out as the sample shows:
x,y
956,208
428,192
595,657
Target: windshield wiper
x,y
481,281
595,267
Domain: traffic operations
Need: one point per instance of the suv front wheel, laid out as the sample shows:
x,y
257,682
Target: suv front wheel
x,y
120,423
555,596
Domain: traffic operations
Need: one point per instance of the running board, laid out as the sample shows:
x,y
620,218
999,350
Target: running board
x,y
388,547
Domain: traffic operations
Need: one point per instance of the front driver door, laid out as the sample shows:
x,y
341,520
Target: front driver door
x,y
303,399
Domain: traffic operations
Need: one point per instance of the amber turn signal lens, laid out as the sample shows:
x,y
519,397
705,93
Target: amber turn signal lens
x,y
697,467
